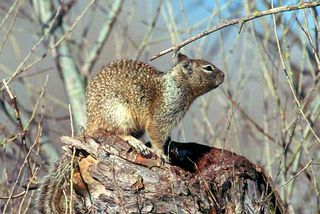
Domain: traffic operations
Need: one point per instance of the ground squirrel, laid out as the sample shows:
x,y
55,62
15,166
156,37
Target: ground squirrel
x,y
129,97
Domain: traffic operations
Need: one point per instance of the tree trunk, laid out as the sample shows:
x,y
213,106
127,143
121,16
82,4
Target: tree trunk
x,y
110,177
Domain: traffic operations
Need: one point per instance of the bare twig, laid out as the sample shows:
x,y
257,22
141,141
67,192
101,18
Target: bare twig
x,y
18,176
10,27
22,132
291,178
243,113
255,15
307,33
229,122
148,34
14,196
315,17
71,163
27,189
289,81
20,70
102,37
8,13
36,105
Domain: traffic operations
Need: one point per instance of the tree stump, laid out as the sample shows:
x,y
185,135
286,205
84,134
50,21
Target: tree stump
x,y
110,177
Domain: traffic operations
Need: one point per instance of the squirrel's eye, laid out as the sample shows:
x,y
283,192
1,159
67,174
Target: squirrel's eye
x,y
208,68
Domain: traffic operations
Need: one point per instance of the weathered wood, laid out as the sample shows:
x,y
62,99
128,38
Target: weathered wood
x,y
112,178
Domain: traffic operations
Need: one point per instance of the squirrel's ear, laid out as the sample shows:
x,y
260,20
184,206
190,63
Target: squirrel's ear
x,y
181,59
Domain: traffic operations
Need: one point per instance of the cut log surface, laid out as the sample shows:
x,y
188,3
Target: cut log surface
x,y
110,177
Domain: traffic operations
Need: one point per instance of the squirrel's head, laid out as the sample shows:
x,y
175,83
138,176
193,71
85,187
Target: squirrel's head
x,y
200,75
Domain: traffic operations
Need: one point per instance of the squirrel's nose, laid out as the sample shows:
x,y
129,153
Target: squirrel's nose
x,y
222,75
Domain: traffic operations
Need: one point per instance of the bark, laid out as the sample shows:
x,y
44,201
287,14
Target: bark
x,y
113,178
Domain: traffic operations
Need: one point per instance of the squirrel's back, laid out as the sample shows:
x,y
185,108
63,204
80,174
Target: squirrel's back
x,y
125,79
124,90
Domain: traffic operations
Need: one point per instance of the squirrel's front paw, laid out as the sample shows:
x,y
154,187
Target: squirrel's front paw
x,y
142,149
163,158
137,145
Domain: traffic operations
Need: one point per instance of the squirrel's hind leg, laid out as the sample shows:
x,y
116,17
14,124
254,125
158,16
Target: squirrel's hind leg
x,y
158,135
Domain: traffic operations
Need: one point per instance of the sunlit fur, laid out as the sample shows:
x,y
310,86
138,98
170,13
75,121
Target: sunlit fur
x,y
128,97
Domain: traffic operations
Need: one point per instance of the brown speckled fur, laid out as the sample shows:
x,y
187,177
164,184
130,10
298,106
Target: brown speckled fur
x,y
53,196
128,97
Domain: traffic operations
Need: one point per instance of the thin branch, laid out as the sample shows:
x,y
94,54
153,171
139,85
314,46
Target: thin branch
x,y
8,14
71,162
33,114
73,80
290,179
244,114
14,196
18,176
147,36
20,70
31,180
289,81
255,15
229,122
102,37
315,17
10,27
307,33
22,132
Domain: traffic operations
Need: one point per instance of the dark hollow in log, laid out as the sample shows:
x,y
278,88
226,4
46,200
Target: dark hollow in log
x,y
110,177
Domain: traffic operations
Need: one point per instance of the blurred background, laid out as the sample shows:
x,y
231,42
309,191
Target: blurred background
x,y
50,49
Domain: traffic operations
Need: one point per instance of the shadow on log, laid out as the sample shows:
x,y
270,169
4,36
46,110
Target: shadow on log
x,y
110,177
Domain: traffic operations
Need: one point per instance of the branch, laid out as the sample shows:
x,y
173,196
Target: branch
x,y
10,11
102,37
255,15
73,81
147,36
22,131
20,69
290,84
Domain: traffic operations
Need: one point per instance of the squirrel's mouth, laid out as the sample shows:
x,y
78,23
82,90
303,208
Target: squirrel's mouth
x,y
220,79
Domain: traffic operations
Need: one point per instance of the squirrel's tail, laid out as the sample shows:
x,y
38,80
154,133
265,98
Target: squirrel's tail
x,y
53,195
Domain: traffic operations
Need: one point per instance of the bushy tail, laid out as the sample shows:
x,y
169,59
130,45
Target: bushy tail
x,y
54,193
